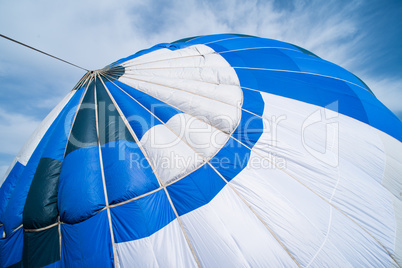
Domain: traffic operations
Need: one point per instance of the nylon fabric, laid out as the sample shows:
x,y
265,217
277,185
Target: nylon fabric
x,y
213,151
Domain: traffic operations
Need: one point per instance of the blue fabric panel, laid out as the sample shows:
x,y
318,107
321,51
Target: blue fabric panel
x,y
231,159
11,248
127,172
141,218
8,186
212,38
315,65
253,102
87,244
268,58
111,126
16,203
15,207
139,118
81,192
140,53
196,189
245,43
249,129
40,208
41,248
174,45
161,109
58,140
56,264
312,89
83,132
183,40
379,116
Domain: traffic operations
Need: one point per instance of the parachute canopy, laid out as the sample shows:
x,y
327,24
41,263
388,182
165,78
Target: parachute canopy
x,y
215,151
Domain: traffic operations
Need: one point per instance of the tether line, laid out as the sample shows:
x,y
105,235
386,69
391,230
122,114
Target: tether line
x,y
22,44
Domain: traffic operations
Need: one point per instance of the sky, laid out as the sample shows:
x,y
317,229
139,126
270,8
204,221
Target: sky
x,y
364,37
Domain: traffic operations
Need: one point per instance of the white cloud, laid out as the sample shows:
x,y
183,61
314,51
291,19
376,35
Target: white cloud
x,y
15,129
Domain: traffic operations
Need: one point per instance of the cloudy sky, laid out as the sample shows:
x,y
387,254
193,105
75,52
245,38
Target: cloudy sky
x,y
365,37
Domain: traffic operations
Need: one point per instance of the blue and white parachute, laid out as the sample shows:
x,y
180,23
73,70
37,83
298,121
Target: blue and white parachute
x,y
213,151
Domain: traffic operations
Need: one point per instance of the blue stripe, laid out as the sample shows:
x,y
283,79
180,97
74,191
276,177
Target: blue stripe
x,y
312,89
140,53
11,248
13,212
253,102
58,141
231,159
56,264
81,192
315,65
87,244
379,116
268,58
139,118
195,190
125,161
8,188
141,218
213,38
245,43
249,129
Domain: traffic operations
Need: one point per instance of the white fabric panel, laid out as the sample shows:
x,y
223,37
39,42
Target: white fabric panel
x,y
208,60
392,178
29,147
229,94
165,248
203,138
171,157
397,252
300,219
359,248
180,146
221,115
225,233
209,95
164,54
214,75
359,160
202,83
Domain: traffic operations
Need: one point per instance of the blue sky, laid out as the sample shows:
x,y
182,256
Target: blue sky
x,y
365,37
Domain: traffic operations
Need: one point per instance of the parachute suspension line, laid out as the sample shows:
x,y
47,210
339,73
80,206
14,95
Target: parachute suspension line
x,y
88,80
96,74
227,183
59,230
153,169
40,51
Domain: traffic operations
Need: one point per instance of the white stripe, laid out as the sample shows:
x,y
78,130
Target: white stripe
x,y
360,171
165,248
226,233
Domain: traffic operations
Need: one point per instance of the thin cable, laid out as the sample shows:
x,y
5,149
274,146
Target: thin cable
x,y
22,44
